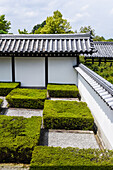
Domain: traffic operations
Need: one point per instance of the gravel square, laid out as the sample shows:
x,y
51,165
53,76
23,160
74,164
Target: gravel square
x,y
27,113
67,139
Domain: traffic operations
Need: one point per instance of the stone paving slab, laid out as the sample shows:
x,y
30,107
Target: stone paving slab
x,y
5,103
22,112
65,99
14,167
67,139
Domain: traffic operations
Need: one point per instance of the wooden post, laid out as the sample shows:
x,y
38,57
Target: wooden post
x,y
78,62
13,69
92,60
99,61
46,70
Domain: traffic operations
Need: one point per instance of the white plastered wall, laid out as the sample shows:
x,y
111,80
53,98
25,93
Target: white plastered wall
x,y
102,113
60,70
5,69
30,71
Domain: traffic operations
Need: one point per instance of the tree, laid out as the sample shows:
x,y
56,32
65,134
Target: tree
x,y
23,32
99,38
110,39
4,25
56,25
86,29
3,32
36,29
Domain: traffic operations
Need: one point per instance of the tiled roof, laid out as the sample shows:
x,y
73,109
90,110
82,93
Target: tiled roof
x,y
46,43
104,49
101,86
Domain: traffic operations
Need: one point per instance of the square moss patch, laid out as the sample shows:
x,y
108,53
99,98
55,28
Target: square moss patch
x,y
67,115
55,90
71,159
27,98
6,88
18,137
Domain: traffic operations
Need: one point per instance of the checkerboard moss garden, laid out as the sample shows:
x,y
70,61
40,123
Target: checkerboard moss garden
x,y
67,115
50,158
27,98
6,88
1,101
18,137
56,90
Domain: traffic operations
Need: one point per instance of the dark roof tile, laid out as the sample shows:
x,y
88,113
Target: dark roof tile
x,y
77,43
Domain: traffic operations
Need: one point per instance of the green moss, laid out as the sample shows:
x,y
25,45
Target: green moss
x,y
105,70
56,90
6,88
44,157
1,103
18,137
27,98
67,115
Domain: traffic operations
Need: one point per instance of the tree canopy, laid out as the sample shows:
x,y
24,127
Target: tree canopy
x,y
56,25
36,29
23,32
4,25
86,29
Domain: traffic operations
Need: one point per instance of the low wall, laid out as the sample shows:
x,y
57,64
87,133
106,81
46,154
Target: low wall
x,y
102,113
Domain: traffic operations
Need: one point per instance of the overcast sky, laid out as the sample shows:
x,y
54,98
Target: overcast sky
x,y
27,13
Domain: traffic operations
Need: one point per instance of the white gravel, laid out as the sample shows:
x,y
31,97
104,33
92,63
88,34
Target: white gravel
x,y
5,103
65,99
66,139
22,112
14,167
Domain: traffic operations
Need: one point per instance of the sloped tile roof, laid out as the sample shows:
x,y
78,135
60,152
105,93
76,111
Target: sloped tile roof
x,y
104,49
101,86
47,43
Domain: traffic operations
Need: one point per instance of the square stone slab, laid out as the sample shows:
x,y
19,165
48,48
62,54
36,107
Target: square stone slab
x,y
80,139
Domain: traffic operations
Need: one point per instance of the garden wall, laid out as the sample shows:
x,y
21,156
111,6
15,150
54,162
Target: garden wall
x,y
102,113
5,69
60,70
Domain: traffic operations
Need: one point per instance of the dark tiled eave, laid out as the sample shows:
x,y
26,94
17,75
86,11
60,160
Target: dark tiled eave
x,y
104,50
46,44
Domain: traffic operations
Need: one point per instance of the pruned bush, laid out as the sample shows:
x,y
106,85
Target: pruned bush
x,y
0,103
6,88
18,137
55,90
27,98
67,115
104,69
44,157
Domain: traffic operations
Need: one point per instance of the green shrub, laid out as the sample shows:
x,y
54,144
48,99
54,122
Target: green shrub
x,y
62,90
0,103
6,88
67,115
44,157
104,70
18,137
27,98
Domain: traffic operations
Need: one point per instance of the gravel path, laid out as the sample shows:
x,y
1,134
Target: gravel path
x,y
65,99
67,139
22,112
14,167
5,103
19,111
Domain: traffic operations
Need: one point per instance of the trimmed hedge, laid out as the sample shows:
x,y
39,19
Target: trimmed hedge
x,y
18,137
1,103
27,98
55,90
6,88
67,115
44,157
